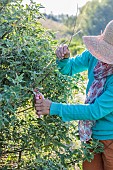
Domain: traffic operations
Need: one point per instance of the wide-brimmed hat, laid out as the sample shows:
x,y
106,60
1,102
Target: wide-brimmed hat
x,y
101,46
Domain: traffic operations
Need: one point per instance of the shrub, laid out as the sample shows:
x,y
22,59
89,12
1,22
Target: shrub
x,y
27,61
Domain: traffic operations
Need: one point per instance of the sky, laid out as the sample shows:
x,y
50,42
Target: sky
x,y
60,6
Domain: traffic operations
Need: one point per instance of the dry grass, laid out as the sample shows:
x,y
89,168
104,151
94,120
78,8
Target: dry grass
x,y
59,28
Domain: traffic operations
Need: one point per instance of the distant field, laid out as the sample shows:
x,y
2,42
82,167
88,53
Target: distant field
x,y
60,29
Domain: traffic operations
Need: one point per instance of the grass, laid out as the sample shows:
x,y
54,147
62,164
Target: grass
x,y
61,30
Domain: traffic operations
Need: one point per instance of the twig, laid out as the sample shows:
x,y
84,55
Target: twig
x,y
48,64
25,110
71,38
74,27
14,151
19,159
6,33
76,33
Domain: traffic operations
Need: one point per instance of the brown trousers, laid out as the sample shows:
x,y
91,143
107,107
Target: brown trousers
x,y
101,161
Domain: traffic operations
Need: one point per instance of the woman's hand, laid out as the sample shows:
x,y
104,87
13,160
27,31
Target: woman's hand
x,y
42,106
62,52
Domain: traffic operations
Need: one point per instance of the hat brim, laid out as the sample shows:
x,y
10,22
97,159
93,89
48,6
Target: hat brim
x,y
99,48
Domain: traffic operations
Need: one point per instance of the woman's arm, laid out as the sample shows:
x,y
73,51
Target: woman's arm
x,y
102,106
75,64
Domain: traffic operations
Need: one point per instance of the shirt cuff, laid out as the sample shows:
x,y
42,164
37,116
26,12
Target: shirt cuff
x,y
55,108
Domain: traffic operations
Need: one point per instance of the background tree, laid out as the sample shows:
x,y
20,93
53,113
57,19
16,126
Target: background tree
x,y
94,16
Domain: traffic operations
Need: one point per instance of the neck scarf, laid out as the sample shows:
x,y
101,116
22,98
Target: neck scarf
x,y
101,71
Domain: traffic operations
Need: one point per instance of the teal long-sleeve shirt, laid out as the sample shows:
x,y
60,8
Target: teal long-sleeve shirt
x,y
101,110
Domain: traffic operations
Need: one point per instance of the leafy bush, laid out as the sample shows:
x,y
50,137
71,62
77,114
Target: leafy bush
x,y
27,61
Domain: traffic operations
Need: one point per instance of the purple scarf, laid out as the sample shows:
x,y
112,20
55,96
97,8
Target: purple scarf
x,y
101,71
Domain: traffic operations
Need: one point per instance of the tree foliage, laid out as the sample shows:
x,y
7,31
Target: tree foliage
x,y
94,16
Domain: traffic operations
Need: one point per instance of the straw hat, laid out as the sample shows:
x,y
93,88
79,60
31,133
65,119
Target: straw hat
x,y
101,46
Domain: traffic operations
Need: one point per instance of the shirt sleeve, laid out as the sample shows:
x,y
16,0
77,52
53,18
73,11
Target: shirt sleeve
x,y
102,106
75,64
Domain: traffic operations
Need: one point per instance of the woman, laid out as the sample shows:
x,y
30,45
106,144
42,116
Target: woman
x,y
96,115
